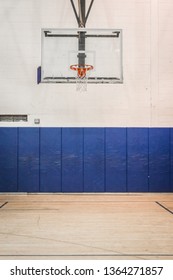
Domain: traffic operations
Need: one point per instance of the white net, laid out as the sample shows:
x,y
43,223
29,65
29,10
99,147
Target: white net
x,y
81,84
82,76
82,81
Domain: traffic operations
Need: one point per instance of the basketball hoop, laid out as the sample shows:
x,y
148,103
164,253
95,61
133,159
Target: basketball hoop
x,y
82,76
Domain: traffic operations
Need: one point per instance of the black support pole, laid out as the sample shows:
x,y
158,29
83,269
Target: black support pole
x,y
81,42
81,19
81,49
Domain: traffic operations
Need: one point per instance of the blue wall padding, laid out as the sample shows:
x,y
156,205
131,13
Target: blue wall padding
x,y
50,159
28,160
116,159
137,159
159,160
171,158
8,160
94,158
72,159
86,159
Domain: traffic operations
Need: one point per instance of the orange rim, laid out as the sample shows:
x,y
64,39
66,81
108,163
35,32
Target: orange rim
x,y
81,71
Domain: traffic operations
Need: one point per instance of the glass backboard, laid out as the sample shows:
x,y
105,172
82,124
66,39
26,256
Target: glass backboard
x,y
65,49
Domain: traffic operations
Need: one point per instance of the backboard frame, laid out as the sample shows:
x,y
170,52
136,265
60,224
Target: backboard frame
x,y
115,34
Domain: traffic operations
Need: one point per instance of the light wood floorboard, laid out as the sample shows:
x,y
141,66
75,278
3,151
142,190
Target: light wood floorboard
x,y
86,226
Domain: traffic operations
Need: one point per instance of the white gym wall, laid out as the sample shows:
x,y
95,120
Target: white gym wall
x,y
145,99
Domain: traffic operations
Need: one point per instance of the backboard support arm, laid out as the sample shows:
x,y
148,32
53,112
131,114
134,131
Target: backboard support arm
x,y
82,16
74,9
89,9
81,4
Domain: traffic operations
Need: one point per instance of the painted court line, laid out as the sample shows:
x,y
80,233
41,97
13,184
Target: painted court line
x,y
1,206
61,203
167,209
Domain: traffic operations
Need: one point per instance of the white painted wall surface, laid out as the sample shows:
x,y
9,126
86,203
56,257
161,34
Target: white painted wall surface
x,y
145,99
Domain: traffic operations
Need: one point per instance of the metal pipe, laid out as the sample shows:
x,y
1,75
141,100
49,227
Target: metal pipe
x,y
81,41
74,9
81,49
89,9
81,4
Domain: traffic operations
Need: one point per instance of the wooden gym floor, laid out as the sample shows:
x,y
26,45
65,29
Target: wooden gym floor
x,y
86,226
